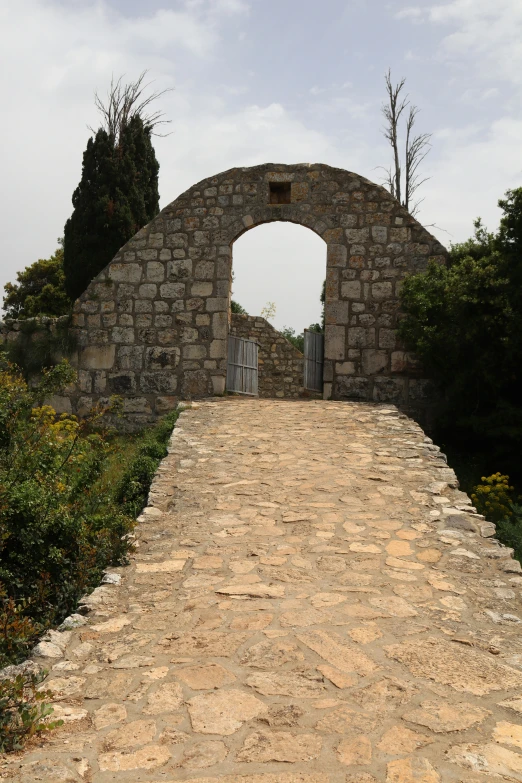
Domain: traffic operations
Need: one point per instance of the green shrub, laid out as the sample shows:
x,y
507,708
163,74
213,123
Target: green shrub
x,y
493,497
59,523
23,712
134,485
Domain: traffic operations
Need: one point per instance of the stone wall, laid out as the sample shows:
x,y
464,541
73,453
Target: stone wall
x,y
153,325
280,363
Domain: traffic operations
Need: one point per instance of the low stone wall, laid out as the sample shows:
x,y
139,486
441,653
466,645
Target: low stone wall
x,y
280,363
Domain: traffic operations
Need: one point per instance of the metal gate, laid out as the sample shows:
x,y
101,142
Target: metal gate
x,y
242,366
313,360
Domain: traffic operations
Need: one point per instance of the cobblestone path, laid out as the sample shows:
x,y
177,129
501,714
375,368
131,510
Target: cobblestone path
x,y
312,601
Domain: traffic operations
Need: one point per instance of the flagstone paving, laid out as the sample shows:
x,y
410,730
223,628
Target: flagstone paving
x,y
312,601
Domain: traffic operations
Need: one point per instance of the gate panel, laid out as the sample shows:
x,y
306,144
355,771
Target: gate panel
x,y
313,360
242,367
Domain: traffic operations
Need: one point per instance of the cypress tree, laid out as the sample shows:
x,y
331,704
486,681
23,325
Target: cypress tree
x,y
117,195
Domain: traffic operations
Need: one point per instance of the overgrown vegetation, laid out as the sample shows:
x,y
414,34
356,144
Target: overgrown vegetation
x,y
23,711
39,289
39,346
464,321
118,191
494,497
132,488
69,494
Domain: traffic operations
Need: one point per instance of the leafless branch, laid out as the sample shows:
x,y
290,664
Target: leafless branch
x,y
124,102
392,111
416,147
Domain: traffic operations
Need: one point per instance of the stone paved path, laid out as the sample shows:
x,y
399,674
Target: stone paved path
x,y
312,601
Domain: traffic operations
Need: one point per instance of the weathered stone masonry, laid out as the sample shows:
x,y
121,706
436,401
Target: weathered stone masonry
x,y
281,365
153,325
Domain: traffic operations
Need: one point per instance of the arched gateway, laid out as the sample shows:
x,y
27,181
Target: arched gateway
x,y
153,325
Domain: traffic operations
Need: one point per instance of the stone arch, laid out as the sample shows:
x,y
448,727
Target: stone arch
x,y
153,325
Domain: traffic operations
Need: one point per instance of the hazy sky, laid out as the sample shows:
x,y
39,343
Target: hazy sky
x,y
261,81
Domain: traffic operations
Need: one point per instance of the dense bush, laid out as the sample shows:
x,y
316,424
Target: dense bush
x,y
39,290
133,487
59,523
464,321
23,711
494,498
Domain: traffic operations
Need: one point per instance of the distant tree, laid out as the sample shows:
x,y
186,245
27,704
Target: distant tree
x,y
118,191
235,307
297,340
39,290
403,184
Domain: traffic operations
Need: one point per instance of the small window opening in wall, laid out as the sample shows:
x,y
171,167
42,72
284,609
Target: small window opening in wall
x,y
280,192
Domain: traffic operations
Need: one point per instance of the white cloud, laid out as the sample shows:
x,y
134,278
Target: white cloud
x,y
487,32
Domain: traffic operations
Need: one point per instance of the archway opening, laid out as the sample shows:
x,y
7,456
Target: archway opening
x,y
279,271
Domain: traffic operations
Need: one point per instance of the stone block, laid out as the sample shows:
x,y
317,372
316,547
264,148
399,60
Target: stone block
x,y
336,313
387,338
220,326
130,357
120,334
334,344
360,337
400,234
196,383
214,304
201,289
204,270
85,381
180,269
389,390
143,306
162,358
155,240
382,290
352,388
143,321
165,404
100,382
147,290
189,334
94,357
218,384
167,337
121,382
379,234
337,255
60,403
374,362
149,254
218,349
161,382
344,368
136,405
177,240
109,320
201,238
351,289
125,273
402,361
357,234
172,290
194,351
163,321
125,319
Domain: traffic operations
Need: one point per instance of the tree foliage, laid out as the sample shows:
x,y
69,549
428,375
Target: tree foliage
x,y
464,320
117,195
39,290
118,192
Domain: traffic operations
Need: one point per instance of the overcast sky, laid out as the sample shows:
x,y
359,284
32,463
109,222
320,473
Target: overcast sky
x,y
260,81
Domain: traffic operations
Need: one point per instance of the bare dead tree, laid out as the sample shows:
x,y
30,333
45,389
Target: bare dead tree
x,y
124,102
416,146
